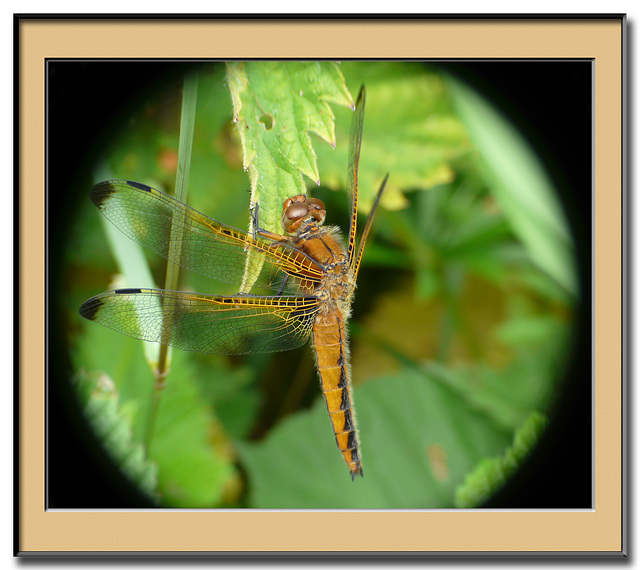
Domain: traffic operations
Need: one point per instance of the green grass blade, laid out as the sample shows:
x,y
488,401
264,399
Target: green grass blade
x,y
185,146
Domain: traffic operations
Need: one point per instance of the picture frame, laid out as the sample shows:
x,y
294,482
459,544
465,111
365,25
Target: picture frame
x,y
46,531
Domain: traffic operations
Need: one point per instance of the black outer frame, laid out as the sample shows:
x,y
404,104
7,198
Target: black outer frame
x,y
323,554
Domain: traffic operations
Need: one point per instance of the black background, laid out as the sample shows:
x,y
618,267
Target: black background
x,y
549,100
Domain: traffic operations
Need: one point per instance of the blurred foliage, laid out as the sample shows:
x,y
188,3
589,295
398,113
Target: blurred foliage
x,y
191,452
463,314
418,442
519,184
492,474
111,423
410,129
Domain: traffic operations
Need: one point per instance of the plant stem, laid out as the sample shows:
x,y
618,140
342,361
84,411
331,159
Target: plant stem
x,y
185,145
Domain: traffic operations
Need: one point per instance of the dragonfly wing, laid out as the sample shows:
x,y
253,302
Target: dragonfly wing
x,y
355,144
243,324
188,238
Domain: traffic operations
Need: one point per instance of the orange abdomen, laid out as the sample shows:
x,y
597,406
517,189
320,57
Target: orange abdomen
x,y
332,353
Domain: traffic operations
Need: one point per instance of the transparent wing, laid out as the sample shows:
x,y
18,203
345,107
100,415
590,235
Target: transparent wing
x,y
355,144
211,324
204,245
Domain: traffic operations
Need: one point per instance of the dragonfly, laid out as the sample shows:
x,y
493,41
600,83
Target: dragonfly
x,y
297,287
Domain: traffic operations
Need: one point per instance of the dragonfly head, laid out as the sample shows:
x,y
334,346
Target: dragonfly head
x,y
300,208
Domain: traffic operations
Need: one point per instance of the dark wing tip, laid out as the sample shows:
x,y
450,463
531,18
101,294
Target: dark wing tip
x,y
90,308
101,191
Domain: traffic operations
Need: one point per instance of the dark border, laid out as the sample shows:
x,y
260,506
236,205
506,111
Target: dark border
x,y
323,16
626,236
321,555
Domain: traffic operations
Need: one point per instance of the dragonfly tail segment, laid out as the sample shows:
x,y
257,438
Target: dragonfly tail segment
x,y
332,354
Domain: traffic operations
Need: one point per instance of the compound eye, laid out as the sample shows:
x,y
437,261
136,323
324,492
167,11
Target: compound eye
x,y
297,210
315,203
292,214
317,209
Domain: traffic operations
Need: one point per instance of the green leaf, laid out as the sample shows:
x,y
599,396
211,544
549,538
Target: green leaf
x,y
232,394
520,185
192,453
533,330
189,445
509,393
410,132
417,444
276,105
112,424
491,474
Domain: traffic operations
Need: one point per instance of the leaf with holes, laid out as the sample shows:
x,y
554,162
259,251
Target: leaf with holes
x,y
276,106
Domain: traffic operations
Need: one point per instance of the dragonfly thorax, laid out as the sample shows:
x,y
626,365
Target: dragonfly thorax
x,y
326,247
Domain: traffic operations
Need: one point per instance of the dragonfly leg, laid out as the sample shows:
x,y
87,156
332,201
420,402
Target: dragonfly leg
x,y
284,284
271,235
255,219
